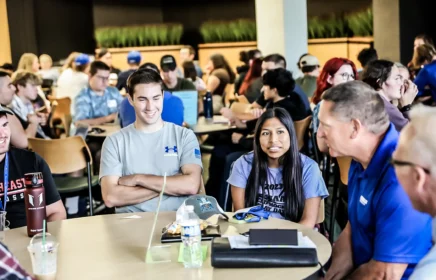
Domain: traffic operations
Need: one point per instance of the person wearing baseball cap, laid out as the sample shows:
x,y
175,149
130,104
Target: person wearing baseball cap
x,y
134,60
71,82
310,67
172,83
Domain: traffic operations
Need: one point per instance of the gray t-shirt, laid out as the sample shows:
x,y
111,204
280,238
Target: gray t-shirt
x,y
131,151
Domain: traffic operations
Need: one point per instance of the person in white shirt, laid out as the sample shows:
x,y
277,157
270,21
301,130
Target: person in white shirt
x,y
47,71
73,80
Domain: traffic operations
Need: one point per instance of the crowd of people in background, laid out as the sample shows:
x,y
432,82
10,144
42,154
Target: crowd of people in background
x,y
351,111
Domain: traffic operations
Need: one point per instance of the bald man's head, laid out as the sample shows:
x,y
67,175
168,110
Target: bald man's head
x,y
415,158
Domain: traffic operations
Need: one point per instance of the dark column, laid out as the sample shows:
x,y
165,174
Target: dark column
x,y
21,19
397,22
55,27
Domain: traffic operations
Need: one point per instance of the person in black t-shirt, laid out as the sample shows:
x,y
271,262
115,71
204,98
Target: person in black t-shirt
x,y
20,163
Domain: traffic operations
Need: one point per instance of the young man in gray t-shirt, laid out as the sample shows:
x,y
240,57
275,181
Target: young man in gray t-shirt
x,y
135,159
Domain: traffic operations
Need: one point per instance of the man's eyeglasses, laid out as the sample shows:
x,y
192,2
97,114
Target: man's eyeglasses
x,y
346,76
406,163
103,79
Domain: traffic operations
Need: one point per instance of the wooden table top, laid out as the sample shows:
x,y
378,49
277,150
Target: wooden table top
x,y
113,247
203,127
109,129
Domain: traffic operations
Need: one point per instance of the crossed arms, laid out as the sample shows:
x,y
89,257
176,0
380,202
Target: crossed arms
x,y
133,189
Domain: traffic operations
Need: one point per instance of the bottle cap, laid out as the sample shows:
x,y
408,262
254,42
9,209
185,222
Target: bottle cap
x,y
33,179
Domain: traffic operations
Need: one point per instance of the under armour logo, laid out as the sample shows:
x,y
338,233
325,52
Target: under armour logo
x,y
40,196
168,149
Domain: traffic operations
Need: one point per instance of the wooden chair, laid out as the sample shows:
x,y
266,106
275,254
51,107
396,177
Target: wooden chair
x,y
301,129
344,167
62,114
66,156
238,107
321,212
341,175
229,92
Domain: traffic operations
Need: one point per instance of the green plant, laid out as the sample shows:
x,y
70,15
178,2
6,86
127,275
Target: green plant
x,y
228,31
139,35
354,24
361,23
330,27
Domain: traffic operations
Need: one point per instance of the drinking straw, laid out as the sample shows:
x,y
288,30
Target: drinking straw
x,y
157,210
43,233
43,244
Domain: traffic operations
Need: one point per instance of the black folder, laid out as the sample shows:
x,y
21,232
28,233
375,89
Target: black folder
x,y
223,256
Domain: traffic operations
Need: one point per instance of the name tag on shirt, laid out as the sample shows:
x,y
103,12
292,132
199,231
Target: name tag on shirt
x,y
112,103
363,200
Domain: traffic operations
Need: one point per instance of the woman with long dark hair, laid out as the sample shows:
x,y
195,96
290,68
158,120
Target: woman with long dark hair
x,y
220,75
275,175
251,86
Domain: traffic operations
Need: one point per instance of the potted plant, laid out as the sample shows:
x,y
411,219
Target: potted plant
x,y
228,38
340,36
152,40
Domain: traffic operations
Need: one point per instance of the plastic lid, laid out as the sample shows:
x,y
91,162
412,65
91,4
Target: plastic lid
x,y
189,208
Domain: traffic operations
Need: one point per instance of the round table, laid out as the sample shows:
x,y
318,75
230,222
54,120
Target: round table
x,y
203,127
109,129
114,247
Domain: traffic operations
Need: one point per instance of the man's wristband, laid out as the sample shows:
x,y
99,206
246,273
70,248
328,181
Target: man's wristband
x,y
405,108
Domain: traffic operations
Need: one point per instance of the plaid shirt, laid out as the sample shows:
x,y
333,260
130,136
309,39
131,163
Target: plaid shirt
x,y
10,269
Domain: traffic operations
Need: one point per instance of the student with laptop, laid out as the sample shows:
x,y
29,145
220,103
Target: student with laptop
x,y
135,159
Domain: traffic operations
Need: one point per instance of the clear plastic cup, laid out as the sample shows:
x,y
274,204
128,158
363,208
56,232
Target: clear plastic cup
x,y
4,225
44,256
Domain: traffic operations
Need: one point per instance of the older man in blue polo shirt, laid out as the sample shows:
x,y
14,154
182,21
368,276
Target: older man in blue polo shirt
x,y
415,166
385,237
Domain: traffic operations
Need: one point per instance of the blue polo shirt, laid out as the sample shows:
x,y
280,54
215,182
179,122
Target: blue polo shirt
x,y
172,110
427,78
384,225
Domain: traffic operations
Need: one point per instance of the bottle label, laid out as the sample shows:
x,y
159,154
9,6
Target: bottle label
x,y
191,231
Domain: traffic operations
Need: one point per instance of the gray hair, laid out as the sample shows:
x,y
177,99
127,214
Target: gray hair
x,y
358,100
422,142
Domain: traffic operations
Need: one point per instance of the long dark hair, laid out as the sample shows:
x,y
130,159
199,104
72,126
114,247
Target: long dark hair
x,y
189,70
290,161
377,72
219,61
252,74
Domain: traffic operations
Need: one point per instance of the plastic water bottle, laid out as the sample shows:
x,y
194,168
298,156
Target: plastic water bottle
x,y
208,106
191,238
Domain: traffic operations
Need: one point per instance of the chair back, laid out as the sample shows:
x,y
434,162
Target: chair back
x,y
301,129
238,107
62,112
321,212
62,155
344,167
229,94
